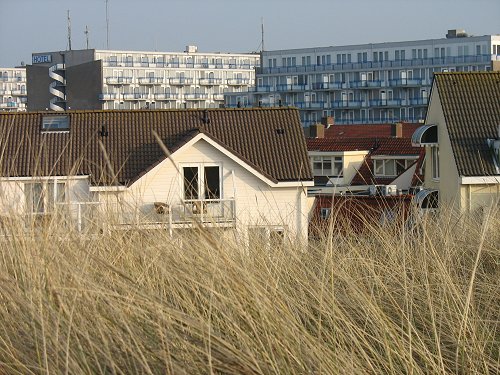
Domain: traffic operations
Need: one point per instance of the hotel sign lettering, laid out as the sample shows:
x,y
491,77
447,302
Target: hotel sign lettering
x,y
40,59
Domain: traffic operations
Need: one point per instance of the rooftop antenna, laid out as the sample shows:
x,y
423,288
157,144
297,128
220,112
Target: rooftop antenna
x,y
69,32
262,31
86,32
107,26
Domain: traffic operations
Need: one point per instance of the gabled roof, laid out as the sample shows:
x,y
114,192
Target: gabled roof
x,y
340,144
471,107
270,140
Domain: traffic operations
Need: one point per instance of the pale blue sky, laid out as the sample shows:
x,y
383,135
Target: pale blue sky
x,y
28,26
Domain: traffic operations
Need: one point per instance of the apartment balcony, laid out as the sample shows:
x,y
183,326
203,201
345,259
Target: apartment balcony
x,y
135,96
118,80
9,105
19,93
237,81
311,105
287,87
405,82
218,97
387,102
150,80
108,96
347,104
196,96
4,92
327,85
166,96
366,84
210,81
419,101
181,81
263,89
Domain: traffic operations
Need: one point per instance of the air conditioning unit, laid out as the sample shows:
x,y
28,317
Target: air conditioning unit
x,y
376,190
390,190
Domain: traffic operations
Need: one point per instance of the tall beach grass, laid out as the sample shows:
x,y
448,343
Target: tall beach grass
x,y
419,298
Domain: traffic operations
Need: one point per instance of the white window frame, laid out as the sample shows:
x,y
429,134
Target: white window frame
x,y
48,199
201,180
266,235
382,162
333,160
435,163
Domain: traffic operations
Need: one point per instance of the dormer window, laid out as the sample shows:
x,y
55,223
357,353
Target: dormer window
x,y
55,123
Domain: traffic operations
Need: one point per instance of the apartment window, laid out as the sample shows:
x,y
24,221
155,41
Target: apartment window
x,y
365,56
339,58
413,53
436,52
283,61
386,55
478,49
419,53
403,57
396,55
375,56
435,162
360,59
425,53
112,61
201,182
442,52
303,61
328,59
460,50
318,60
42,197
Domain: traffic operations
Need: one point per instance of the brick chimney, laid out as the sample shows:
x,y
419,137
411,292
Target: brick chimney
x,y
328,121
317,131
397,130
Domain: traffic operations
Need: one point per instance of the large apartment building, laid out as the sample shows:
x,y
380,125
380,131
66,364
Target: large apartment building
x,y
13,94
105,79
366,83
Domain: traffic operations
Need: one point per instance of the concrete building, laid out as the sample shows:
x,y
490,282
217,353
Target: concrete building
x,y
105,79
13,94
365,83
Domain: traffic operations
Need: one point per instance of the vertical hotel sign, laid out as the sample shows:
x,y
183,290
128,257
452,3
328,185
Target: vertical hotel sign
x,y
40,59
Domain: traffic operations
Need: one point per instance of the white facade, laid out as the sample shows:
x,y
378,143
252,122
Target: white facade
x,y
247,202
367,83
13,95
189,79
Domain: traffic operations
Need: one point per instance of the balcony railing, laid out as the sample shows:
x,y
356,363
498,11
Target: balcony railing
x,y
419,101
109,96
9,105
209,212
19,93
150,80
288,87
237,81
218,97
311,105
210,81
118,80
327,85
135,96
181,81
400,82
166,96
196,96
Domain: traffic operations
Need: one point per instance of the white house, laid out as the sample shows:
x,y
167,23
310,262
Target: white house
x,y
245,170
461,139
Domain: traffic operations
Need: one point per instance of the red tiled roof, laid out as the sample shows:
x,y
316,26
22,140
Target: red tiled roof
x,y
271,140
340,144
368,130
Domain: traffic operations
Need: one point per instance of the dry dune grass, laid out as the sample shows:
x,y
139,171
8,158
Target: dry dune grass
x,y
400,299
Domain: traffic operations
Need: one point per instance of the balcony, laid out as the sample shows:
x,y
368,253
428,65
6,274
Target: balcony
x,y
166,96
210,81
110,96
218,97
311,105
366,84
347,104
118,80
237,81
405,82
419,101
196,96
181,81
263,89
207,212
288,87
9,105
327,85
150,80
19,93
135,96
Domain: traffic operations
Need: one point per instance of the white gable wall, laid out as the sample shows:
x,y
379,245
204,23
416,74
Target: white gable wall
x,y
256,202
